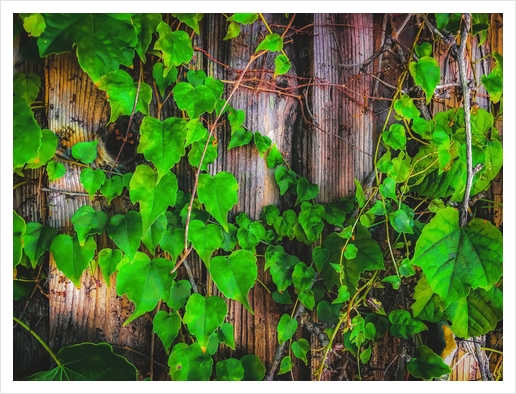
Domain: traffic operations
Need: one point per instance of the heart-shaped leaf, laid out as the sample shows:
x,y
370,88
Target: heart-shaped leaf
x,y
405,107
287,327
189,363
425,364
108,261
262,142
243,18
203,316
403,325
112,187
126,232
194,100
274,157
144,282
55,170
302,277
305,190
87,221
300,348
175,46
163,82
226,335
230,369
284,178
271,42
179,293
426,73
92,180
26,86
401,222
285,365
240,137
36,240
205,239
173,242
26,133
34,24
235,275
155,233
191,20
85,151
282,65
144,25
71,258
395,137
167,326
249,237
253,368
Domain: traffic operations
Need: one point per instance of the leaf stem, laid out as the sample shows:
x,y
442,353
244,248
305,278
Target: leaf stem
x,y
38,338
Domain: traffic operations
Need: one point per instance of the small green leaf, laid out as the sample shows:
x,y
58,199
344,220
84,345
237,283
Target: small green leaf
x,y
203,316
218,194
254,369
230,369
388,188
274,157
34,24
249,237
284,225
85,151
173,242
155,233
401,222
425,364
195,131
26,86
284,178
144,282
194,100
163,82
126,232
302,277
55,170
320,257
191,20
225,335
71,258
285,365
350,252
112,187
244,19
19,228
271,42
92,180
307,298
36,239
406,108
328,313
365,355
394,280
205,239
403,325
305,190
194,157
441,20
87,221
494,81
108,260
300,349
178,295
190,363
282,65
144,26
395,137
235,275
233,31
426,73
26,133
343,295
175,46
240,137
263,143
270,213
287,327
359,194
167,326
282,298
236,119
425,49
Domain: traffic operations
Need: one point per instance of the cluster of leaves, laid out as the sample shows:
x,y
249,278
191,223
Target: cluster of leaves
x,y
459,268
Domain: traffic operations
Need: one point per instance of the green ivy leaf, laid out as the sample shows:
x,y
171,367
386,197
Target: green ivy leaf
x,y
203,316
235,275
92,180
394,280
121,94
144,281
194,157
369,256
26,133
401,222
320,257
395,137
359,193
380,323
144,26
287,327
91,362
270,213
282,65
365,355
285,365
425,364
230,369
424,128
154,193
243,18
162,143
34,24
401,168
426,73
163,82
403,325
191,20
240,137
441,20
335,213
233,31
216,86
406,108
262,142
272,42
236,118
195,131
87,221
126,232
72,258
175,46
218,194
26,86
205,239
155,233
284,178
350,252
194,100
282,298
281,265
388,188
492,165
477,314
425,49
310,219
178,295
494,81
108,261
55,170
284,225
306,191
254,369
342,296
250,236
19,228
456,259
300,349
167,326
427,305
302,277
36,239
274,157
85,151
328,313
112,187
225,335
189,363
173,242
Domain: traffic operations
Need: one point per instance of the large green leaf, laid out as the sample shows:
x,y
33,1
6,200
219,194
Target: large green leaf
x,y
240,137
477,314
162,143
194,100
175,46
456,259
26,133
287,327
155,195
426,73
121,94
195,131
189,363
305,190
55,170
253,367
89,362
205,239
203,316
395,137
405,107
235,275
191,20
87,221
369,256
108,260
427,305
92,180
426,364
126,232
230,369
144,282
85,151
403,325
71,258
26,86
104,41
19,228
36,240
112,187
144,26
218,194
47,149
166,325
